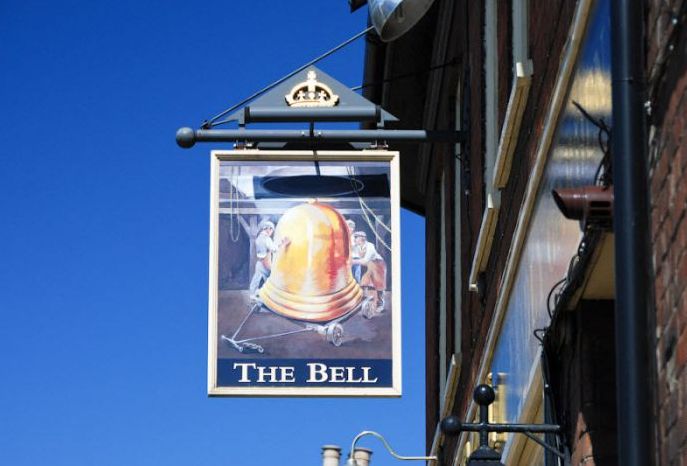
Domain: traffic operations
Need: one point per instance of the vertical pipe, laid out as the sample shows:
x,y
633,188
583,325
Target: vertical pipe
x,y
331,455
362,456
631,234
483,419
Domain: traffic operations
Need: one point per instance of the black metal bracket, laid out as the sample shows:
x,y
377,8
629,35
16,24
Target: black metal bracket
x,y
486,456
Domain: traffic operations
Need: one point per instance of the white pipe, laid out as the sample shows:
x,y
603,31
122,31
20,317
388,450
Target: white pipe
x,y
362,456
331,455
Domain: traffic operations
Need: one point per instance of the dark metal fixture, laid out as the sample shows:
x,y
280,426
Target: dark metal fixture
x,y
484,455
288,114
591,205
187,137
273,107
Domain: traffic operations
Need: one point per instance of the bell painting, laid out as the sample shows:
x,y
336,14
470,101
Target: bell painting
x,y
304,281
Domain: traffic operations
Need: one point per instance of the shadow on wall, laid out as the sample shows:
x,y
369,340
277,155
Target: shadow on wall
x,y
581,355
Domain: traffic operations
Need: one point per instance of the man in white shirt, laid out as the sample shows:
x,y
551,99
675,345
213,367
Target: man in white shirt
x,y
365,255
264,249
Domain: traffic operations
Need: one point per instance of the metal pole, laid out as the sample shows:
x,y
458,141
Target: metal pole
x,y
187,137
631,227
287,114
514,428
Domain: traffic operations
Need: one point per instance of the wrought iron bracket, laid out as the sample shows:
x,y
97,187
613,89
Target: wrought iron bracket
x,y
484,455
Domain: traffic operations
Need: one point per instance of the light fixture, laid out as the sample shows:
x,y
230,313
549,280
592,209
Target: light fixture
x,y
591,205
352,461
393,18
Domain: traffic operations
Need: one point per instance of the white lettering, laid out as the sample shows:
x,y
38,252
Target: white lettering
x,y
366,375
287,374
338,374
317,372
266,374
244,370
351,377
269,372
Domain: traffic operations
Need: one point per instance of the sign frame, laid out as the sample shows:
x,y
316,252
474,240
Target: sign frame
x,y
263,155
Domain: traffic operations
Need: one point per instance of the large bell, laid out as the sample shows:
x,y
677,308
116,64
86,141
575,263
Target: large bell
x,y
311,276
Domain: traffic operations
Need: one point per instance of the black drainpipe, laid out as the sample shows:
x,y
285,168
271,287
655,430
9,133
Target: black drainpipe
x,y
631,225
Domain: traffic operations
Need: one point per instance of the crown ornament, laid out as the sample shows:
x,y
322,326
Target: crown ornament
x,y
311,93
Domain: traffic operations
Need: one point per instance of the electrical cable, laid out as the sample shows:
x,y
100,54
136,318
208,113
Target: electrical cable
x,y
604,177
604,174
451,62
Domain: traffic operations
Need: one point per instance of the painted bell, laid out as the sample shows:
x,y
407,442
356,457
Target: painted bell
x,y
311,275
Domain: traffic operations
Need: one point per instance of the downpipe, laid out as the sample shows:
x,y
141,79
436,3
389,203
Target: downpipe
x,y
631,225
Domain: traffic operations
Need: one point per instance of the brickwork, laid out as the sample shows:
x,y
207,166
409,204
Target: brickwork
x,y
548,32
504,10
667,72
663,19
581,352
583,370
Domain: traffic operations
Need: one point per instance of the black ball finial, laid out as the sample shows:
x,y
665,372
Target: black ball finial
x,y
451,425
484,395
186,137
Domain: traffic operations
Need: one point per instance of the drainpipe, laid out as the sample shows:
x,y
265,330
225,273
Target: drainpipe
x,y
631,225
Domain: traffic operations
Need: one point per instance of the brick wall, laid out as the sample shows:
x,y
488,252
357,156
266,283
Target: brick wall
x,y
667,75
581,349
549,26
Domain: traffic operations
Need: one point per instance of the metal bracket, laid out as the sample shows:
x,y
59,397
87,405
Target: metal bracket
x,y
188,137
271,107
485,456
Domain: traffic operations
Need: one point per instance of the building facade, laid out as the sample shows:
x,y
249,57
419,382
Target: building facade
x,y
518,295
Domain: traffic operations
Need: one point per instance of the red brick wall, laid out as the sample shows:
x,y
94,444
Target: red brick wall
x,y
667,74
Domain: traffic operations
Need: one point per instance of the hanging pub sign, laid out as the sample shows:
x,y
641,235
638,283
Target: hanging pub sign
x,y
304,273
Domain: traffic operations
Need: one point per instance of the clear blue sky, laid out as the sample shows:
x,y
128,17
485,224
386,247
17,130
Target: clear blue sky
x,y
104,237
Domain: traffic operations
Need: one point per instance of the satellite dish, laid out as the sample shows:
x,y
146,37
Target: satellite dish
x,y
393,18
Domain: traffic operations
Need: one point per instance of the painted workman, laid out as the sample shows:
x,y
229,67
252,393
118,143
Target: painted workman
x,y
265,248
374,276
356,269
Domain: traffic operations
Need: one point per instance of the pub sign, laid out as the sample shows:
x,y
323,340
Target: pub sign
x,y
304,274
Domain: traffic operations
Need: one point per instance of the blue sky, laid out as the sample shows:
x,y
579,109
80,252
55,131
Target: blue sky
x,y
103,263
